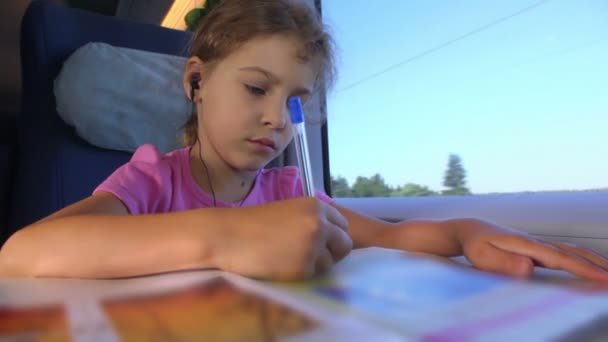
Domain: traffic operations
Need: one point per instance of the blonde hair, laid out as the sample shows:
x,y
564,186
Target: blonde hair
x,y
232,23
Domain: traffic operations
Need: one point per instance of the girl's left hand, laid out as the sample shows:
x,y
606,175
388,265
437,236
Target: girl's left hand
x,y
492,248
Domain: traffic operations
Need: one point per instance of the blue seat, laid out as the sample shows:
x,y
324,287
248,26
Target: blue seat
x,y
53,166
7,148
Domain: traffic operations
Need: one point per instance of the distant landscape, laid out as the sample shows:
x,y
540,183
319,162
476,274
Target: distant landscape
x,y
454,182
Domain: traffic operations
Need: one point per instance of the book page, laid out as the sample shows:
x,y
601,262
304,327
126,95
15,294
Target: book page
x,y
182,306
431,299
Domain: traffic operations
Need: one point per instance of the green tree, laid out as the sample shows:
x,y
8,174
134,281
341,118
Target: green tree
x,y
371,187
340,187
412,189
455,177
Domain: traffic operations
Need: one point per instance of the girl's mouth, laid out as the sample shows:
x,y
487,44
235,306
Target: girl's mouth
x,y
266,144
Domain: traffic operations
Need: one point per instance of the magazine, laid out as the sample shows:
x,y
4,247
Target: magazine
x,y
374,294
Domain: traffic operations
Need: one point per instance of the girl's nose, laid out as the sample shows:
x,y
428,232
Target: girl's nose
x,y
276,117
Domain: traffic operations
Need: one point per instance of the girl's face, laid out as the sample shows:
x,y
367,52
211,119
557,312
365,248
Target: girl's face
x,y
242,112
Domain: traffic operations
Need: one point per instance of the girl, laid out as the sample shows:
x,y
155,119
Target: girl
x,y
213,205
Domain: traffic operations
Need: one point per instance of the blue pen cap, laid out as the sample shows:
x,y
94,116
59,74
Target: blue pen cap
x,y
295,108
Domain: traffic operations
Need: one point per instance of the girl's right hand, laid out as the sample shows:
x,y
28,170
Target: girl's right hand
x,y
283,240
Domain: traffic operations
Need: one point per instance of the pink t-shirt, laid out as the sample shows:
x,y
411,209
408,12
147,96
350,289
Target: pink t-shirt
x,y
155,183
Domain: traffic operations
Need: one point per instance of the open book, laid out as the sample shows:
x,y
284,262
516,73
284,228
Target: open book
x,y
372,295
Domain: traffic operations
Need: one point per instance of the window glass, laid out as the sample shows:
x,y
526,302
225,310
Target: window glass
x,y
468,97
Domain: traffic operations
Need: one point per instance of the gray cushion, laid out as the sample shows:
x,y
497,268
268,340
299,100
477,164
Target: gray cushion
x,y
120,98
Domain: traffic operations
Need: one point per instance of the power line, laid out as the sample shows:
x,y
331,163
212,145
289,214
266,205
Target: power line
x,y
443,45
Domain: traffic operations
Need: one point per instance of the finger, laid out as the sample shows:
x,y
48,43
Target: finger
x,y
552,257
585,253
337,241
493,259
335,216
324,262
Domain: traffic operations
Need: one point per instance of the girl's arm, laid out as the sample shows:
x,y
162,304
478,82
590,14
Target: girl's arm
x,y
487,246
423,236
96,238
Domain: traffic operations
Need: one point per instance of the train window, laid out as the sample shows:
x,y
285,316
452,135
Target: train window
x,y
468,97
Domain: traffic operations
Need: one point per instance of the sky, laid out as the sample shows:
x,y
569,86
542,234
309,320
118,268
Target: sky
x,y
518,89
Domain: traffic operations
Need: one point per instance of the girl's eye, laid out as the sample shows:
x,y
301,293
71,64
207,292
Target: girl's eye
x,y
257,91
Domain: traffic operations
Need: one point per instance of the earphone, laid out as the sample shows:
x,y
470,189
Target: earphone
x,y
193,86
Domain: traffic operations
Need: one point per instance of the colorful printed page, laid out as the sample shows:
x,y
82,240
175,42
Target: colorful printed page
x,y
426,299
196,306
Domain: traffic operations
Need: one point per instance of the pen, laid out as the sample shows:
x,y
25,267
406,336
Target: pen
x,y
301,144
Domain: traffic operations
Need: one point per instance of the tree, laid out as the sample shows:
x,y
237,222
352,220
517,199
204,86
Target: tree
x,y
412,189
340,187
370,187
455,177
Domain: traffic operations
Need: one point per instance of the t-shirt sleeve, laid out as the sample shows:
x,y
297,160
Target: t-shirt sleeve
x,y
143,184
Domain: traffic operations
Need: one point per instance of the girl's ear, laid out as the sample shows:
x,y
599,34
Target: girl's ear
x,y
192,76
